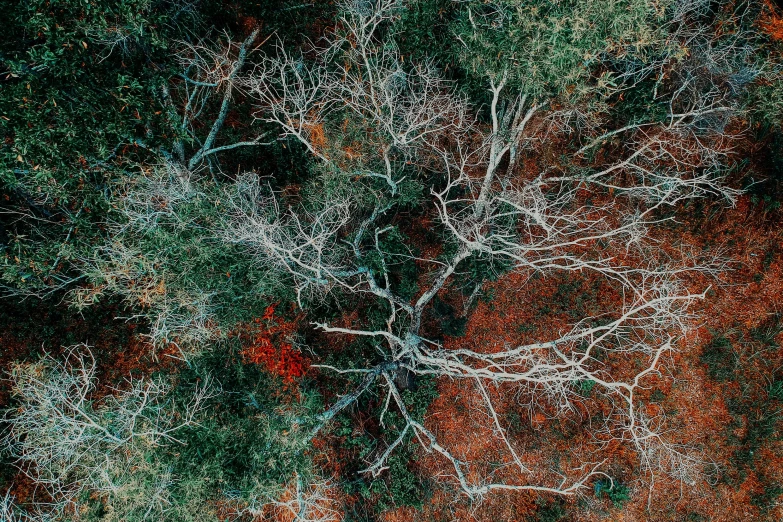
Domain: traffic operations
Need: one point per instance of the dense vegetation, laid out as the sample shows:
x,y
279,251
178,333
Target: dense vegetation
x,y
391,260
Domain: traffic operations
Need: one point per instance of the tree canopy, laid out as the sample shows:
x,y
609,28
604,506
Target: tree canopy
x,y
332,261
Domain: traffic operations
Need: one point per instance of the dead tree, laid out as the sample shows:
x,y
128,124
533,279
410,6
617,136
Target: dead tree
x,y
485,207
539,224
68,444
331,240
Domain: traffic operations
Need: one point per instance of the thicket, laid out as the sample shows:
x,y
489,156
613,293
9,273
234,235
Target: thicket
x,y
86,104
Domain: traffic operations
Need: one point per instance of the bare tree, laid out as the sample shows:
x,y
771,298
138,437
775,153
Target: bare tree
x,y
10,512
210,70
305,244
487,208
300,501
69,443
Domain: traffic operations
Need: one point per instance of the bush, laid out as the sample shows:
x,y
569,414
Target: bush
x,y
720,359
618,493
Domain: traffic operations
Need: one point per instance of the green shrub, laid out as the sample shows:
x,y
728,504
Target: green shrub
x,y
549,511
617,492
546,48
720,359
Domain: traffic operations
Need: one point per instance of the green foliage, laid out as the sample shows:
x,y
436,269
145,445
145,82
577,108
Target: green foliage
x,y
764,100
574,297
397,263
766,187
544,48
83,98
404,488
248,444
400,485
766,333
164,260
586,386
639,104
80,447
480,268
767,499
78,86
448,321
549,511
719,357
617,492
657,395
85,126
756,411
775,391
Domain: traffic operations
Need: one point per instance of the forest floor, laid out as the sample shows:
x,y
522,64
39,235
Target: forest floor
x,y
722,389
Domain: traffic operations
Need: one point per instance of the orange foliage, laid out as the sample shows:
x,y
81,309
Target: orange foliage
x,y
317,501
695,404
772,23
317,136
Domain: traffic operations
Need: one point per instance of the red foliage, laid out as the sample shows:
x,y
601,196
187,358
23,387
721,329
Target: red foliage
x,y
270,349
